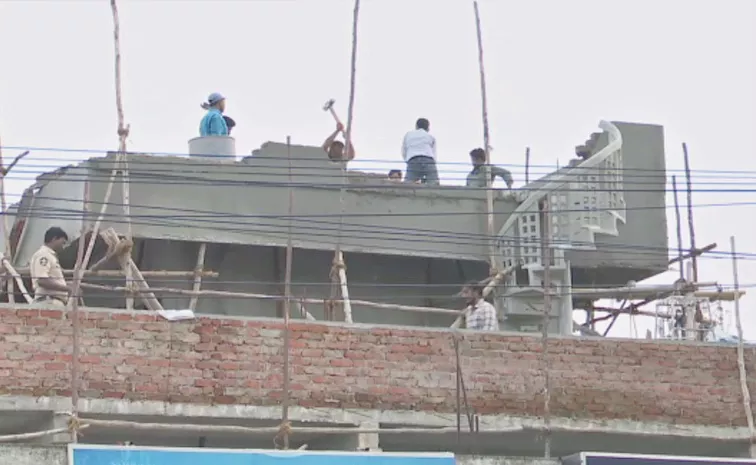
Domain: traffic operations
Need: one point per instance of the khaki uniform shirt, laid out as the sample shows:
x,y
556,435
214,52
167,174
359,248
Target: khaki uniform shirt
x,y
44,264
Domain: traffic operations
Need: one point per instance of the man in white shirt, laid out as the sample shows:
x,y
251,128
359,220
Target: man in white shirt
x,y
480,315
419,151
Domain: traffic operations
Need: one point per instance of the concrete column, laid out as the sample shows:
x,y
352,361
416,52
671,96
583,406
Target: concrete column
x,y
369,441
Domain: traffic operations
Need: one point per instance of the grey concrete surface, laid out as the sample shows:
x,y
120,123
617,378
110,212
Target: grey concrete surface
x,y
569,436
22,454
388,228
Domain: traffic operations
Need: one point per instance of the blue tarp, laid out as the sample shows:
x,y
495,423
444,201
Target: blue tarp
x,y
82,454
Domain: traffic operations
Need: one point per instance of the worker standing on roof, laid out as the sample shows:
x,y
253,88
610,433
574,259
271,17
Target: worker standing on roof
x,y
335,148
419,151
213,123
479,315
47,275
477,177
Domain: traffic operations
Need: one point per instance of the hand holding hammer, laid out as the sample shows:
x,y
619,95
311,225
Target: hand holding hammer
x,y
329,107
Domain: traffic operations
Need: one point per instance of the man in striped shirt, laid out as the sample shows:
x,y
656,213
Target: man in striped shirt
x,y
480,315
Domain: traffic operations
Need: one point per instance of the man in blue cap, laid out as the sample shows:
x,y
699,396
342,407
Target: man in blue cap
x,y
213,123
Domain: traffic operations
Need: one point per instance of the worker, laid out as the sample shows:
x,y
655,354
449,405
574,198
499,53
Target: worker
x,y
212,123
477,177
479,314
230,123
47,275
335,148
395,175
419,152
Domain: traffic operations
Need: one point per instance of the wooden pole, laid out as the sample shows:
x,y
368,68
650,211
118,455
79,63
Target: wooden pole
x,y
197,275
287,304
679,229
123,132
146,274
741,352
338,271
527,165
487,145
73,302
691,228
6,228
546,263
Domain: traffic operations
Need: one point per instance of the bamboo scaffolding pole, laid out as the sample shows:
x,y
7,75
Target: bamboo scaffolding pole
x,y
487,146
338,270
546,263
679,229
527,165
694,253
691,227
245,295
6,227
73,302
17,277
37,434
123,133
197,275
741,352
145,292
287,305
120,273
258,430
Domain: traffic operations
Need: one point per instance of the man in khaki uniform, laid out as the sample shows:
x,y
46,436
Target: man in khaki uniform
x,y
47,275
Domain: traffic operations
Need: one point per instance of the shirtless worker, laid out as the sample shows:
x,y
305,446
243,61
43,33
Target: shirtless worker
x,y
46,273
335,148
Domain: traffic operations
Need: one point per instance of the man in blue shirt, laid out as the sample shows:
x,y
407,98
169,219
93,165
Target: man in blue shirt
x,y
213,123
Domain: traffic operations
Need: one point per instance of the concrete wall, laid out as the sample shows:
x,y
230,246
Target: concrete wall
x,y
181,199
256,269
135,356
57,455
243,203
642,244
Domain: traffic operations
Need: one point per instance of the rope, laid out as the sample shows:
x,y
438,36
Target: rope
x,y
284,429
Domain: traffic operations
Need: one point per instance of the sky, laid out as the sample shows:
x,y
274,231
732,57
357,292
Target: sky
x,y
554,68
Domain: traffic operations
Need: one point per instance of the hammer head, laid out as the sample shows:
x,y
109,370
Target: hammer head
x,y
328,105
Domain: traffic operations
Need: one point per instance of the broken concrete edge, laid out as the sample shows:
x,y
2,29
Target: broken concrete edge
x,y
365,417
25,454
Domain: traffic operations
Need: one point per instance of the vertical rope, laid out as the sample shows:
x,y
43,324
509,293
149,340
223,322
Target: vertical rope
x,y
487,146
338,272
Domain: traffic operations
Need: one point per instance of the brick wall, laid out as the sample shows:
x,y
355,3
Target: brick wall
x,y
226,361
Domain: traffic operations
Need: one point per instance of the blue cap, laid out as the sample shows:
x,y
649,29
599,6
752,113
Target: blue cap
x,y
214,98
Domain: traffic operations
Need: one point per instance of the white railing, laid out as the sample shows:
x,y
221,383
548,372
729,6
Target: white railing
x,y
584,199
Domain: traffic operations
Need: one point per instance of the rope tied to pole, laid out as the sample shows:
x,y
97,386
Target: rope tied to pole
x,y
284,430
123,133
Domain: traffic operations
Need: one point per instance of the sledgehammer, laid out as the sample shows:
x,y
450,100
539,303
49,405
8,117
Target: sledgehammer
x,y
329,107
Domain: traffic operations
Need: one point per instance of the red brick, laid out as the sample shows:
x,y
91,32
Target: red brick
x,y
226,361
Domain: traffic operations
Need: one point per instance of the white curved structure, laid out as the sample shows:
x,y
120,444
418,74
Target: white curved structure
x,y
584,200
215,148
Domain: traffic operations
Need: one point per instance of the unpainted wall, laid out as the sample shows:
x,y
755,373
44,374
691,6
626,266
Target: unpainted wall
x,y
247,203
257,269
641,249
138,356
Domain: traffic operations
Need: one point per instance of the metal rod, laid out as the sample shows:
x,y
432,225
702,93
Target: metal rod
x,y
689,191
679,229
741,351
